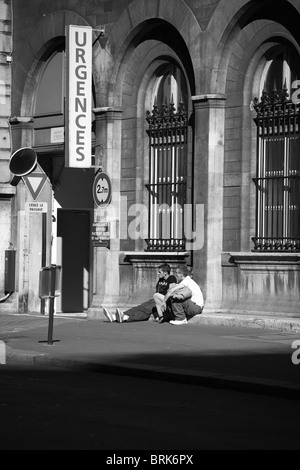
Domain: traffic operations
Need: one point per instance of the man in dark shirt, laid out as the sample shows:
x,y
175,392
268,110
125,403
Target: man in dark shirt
x,y
143,311
165,282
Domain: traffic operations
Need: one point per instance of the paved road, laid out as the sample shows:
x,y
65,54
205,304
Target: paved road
x,y
58,409
241,357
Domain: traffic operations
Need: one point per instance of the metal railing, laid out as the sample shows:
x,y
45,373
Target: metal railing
x,y
167,177
278,173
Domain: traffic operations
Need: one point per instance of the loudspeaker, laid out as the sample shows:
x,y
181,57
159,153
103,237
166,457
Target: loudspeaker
x,y
23,161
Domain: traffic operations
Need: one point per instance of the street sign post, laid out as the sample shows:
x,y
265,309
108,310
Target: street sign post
x,y
50,281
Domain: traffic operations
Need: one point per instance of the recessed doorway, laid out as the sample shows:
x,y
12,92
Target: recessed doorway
x,y
73,230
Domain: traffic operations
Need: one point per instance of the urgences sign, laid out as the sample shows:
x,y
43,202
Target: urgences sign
x,y
79,96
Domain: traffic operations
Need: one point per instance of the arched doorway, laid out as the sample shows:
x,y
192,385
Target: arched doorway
x,y
72,188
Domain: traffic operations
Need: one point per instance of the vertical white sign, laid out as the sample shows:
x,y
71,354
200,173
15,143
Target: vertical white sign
x,y
79,96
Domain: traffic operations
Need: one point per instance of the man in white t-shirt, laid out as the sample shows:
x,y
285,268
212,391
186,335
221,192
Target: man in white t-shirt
x,y
184,308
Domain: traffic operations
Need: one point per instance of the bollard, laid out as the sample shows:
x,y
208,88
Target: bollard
x,y
50,278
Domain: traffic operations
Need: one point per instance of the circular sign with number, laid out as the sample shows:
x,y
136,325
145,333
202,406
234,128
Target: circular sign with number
x,y
102,189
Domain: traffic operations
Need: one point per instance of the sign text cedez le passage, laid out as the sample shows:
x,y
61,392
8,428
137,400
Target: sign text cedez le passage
x,y
36,207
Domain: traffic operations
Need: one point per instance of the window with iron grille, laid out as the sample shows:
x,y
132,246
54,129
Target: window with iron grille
x,y
167,179
278,173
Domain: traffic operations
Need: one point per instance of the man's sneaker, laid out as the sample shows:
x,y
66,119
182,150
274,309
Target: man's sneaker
x,y
119,316
179,322
108,315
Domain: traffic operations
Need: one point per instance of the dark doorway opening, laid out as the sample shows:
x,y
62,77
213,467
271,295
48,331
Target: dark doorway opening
x,y
73,227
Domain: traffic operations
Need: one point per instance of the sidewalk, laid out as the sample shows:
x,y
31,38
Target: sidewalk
x,y
231,351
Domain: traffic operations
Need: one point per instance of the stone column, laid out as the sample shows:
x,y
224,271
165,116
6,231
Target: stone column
x,y
22,136
106,260
209,111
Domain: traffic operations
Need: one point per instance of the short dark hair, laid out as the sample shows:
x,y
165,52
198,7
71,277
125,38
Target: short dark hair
x,y
166,268
183,269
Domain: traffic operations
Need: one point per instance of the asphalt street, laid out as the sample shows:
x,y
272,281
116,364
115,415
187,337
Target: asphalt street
x,y
54,408
209,354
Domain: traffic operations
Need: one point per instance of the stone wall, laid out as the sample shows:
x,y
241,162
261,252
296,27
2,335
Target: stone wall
x,y
222,48
6,191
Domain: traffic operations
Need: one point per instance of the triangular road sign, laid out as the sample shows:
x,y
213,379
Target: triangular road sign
x,y
35,183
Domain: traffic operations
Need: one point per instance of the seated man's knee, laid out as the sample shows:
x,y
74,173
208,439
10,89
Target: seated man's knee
x,y
158,297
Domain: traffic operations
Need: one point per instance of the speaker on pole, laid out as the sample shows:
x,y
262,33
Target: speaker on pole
x,y
23,161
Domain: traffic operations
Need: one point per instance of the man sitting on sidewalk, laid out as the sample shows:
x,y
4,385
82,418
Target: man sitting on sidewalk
x,y
143,311
185,297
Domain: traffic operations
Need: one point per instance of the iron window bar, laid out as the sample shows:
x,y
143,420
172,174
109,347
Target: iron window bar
x,y
278,173
167,130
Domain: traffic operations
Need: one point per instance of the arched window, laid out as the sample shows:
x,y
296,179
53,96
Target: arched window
x,y
167,161
49,105
51,87
281,69
278,160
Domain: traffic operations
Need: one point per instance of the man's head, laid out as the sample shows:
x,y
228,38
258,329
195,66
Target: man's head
x,y
181,272
164,270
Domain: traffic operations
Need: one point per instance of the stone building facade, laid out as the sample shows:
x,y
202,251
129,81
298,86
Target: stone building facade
x,y
196,123
7,192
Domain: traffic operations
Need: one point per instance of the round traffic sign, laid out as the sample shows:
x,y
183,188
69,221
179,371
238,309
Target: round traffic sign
x,y
102,189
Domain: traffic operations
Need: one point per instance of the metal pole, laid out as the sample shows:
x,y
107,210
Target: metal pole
x,y
44,240
51,302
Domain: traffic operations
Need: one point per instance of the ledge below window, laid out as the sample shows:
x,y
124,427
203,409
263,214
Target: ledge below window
x,y
260,259
150,258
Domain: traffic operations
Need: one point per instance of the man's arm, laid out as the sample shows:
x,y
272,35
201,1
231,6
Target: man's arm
x,y
172,288
173,284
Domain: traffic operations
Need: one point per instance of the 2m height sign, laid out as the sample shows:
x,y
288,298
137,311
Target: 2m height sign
x,y
79,96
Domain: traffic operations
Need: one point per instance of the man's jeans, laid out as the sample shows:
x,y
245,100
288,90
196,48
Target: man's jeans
x,y
185,309
141,312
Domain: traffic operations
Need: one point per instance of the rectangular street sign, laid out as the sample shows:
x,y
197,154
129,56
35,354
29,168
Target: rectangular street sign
x,y
45,281
101,234
36,207
79,97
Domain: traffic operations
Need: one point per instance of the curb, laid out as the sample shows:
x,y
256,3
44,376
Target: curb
x,y
291,324
205,379
271,323
22,356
